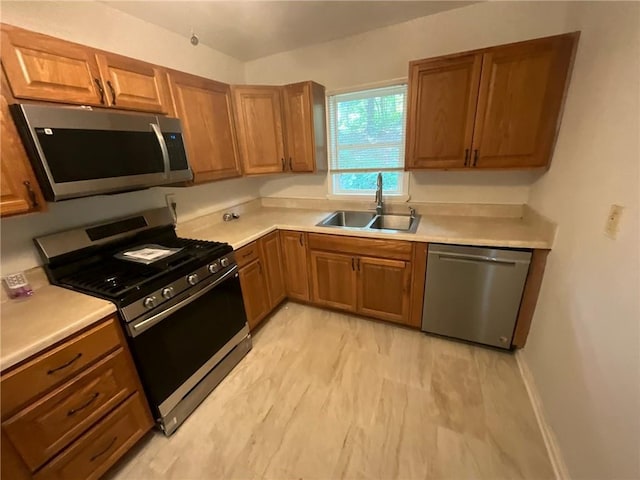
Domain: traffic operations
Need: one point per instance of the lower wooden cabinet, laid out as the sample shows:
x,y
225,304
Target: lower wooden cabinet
x,y
271,255
384,288
334,280
74,410
254,292
296,269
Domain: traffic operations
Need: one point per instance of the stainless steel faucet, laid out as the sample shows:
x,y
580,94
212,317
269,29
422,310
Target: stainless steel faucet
x,y
379,203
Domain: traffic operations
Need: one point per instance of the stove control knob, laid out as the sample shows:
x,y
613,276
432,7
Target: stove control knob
x,y
167,292
149,302
192,279
224,262
214,267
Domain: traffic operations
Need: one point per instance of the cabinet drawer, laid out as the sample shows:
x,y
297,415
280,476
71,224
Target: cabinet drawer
x,y
103,445
44,428
247,254
57,365
372,247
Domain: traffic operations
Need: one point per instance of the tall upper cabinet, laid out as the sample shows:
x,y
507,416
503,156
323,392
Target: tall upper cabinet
x,y
496,108
281,129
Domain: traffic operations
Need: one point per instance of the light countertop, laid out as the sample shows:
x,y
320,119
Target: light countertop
x,y
466,230
51,314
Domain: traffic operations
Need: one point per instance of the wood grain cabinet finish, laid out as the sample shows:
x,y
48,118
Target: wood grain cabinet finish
x,y
40,67
255,295
384,288
61,410
258,115
19,189
495,108
296,270
206,112
305,127
271,255
133,85
334,280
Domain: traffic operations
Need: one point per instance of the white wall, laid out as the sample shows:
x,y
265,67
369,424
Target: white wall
x,y
584,345
383,54
97,25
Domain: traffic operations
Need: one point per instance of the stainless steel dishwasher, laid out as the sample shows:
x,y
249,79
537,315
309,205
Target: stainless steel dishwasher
x,y
474,293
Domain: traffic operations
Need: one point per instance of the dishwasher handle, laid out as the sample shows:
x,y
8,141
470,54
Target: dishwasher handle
x,y
452,257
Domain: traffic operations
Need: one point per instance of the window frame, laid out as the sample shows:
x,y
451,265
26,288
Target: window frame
x,y
332,193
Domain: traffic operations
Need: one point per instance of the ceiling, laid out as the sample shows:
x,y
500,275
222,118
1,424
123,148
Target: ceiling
x,y
248,30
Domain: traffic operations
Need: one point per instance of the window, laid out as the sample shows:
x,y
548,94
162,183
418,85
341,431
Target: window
x,y
366,136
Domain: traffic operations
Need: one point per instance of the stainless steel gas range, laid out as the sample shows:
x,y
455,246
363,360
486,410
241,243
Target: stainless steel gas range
x,y
179,300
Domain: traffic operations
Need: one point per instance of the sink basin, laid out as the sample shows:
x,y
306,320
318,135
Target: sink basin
x,y
371,221
348,219
403,223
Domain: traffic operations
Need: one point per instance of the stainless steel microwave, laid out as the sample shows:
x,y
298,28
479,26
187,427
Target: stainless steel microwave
x,y
78,152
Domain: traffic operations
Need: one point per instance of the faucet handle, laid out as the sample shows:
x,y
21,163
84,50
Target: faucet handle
x,y
412,211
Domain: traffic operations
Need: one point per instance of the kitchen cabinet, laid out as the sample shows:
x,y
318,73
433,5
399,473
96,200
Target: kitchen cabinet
x,y
305,126
133,85
494,108
258,115
19,189
296,270
205,110
40,67
334,280
383,288
271,254
73,410
281,129
254,292
378,278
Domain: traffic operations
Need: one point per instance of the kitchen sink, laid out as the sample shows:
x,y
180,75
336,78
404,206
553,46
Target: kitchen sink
x,y
348,219
371,221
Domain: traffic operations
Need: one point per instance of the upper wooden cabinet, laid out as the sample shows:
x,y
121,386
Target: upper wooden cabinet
x,y
258,115
205,109
305,125
40,67
442,108
493,108
19,190
281,129
134,85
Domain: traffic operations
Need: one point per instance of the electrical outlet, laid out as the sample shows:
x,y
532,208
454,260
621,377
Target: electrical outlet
x,y
613,221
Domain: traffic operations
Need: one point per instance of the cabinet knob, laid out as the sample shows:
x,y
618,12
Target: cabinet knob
x,y
466,157
283,166
475,157
113,92
100,90
31,194
290,164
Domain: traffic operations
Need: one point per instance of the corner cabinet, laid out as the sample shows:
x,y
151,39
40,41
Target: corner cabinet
x,y
496,108
281,129
206,112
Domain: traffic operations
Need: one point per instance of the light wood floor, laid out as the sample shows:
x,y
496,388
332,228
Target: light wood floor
x,y
325,395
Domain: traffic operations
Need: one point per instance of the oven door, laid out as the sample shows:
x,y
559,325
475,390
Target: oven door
x,y
181,347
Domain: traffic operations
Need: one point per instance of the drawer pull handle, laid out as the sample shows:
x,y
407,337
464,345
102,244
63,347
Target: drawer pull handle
x,y
105,450
64,365
247,255
73,411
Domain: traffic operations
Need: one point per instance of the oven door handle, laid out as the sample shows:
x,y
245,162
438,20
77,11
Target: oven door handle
x,y
149,322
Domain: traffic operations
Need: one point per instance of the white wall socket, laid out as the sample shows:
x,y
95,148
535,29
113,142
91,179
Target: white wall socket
x,y
613,221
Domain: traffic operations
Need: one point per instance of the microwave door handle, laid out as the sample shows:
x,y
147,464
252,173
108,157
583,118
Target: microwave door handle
x,y
138,328
163,148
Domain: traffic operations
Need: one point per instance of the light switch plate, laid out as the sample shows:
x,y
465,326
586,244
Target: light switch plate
x,y
613,221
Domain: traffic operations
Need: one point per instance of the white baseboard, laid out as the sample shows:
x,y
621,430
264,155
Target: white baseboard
x,y
550,441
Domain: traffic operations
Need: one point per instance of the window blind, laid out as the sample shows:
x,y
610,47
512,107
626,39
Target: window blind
x,y
367,130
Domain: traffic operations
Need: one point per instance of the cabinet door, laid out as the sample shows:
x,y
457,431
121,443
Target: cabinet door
x,y
132,84
254,293
384,288
443,93
305,126
259,124
521,94
296,271
19,190
333,277
271,254
204,107
40,67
